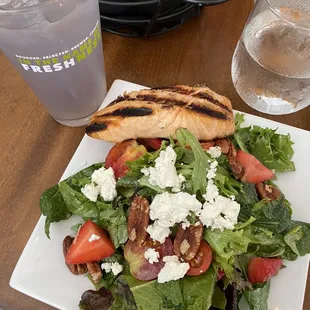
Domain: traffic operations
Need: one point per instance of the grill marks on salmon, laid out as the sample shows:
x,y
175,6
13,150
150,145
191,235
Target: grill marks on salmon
x,y
159,112
196,92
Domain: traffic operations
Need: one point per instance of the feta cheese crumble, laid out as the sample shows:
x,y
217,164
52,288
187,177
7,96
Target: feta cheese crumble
x,y
220,213
151,255
91,191
93,237
169,209
116,267
172,270
214,151
103,184
164,174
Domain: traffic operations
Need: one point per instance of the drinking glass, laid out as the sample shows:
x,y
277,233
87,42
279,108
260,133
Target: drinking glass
x,y
56,46
271,63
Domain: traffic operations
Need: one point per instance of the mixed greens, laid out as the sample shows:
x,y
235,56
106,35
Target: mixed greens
x,y
265,227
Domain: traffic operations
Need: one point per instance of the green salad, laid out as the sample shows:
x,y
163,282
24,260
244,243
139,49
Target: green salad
x,y
187,226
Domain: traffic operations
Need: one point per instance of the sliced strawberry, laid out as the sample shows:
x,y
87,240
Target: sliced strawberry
x,y
261,269
91,244
256,172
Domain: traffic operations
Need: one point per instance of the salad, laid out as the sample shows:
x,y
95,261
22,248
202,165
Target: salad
x,y
181,224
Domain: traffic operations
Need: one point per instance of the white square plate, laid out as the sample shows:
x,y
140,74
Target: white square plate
x,y
42,274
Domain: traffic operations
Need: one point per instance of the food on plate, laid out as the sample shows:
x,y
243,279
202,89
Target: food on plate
x,y
176,222
158,113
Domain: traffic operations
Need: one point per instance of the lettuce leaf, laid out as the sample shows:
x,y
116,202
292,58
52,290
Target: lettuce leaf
x,y
190,293
199,175
226,245
272,149
258,297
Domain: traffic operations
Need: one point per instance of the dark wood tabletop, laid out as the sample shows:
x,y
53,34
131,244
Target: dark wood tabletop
x,y
35,149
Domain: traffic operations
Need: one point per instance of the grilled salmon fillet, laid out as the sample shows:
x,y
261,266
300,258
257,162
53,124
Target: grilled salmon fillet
x,y
158,113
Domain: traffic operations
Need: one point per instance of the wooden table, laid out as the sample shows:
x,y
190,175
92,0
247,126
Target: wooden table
x,y
35,149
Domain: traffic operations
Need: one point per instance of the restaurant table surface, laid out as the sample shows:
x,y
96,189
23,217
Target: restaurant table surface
x,y
35,149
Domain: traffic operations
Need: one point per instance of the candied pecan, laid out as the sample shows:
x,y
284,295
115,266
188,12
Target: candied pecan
x,y
224,144
76,269
138,219
94,271
187,241
207,144
237,169
196,262
267,191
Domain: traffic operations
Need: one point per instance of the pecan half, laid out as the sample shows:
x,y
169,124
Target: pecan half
x,y
187,241
76,269
94,271
237,169
138,219
267,191
224,144
206,145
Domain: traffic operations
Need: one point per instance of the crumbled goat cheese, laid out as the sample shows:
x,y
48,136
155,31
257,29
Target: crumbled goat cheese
x,y
220,213
91,191
164,174
172,270
158,232
116,267
211,192
106,180
93,237
214,151
151,255
169,209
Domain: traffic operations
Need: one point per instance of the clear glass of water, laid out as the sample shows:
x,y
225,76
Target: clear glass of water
x,y
271,63
56,46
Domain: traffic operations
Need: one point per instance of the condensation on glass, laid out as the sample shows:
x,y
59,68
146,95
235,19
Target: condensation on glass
x,y
56,46
271,63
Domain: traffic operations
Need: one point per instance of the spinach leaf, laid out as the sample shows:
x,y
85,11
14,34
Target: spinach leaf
x,y
52,203
292,237
77,203
246,197
257,298
53,206
272,215
226,245
218,299
115,222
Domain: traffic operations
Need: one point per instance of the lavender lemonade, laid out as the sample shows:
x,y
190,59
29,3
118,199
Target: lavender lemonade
x,y
57,48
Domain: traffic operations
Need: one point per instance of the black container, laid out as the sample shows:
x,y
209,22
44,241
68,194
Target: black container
x,y
148,17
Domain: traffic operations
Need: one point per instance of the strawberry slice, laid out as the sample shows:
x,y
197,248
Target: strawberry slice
x,y
256,172
91,244
261,269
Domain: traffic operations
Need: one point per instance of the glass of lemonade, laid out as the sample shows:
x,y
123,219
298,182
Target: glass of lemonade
x,y
271,63
56,46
